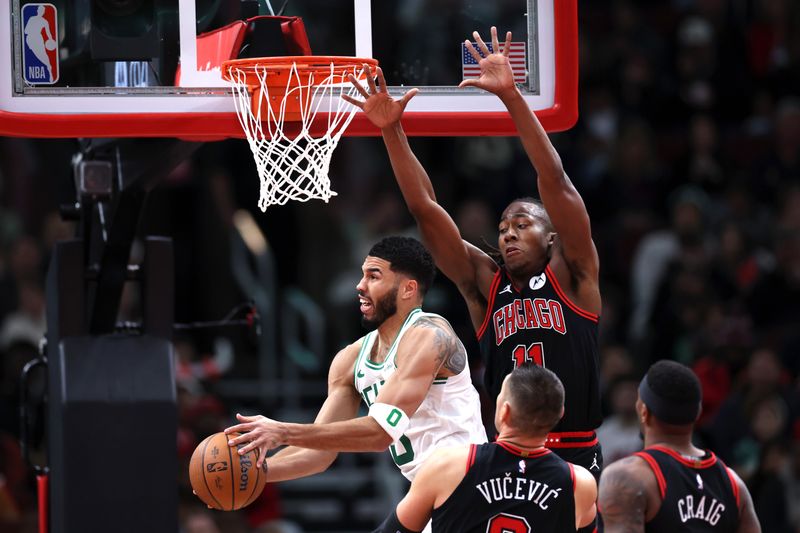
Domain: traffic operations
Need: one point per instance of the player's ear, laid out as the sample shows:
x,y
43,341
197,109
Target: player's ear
x,y
642,411
410,288
505,413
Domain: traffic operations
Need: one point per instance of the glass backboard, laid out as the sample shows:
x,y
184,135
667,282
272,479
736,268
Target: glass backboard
x,y
103,68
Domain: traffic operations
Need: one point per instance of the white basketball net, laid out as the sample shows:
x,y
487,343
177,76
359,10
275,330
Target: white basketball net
x,y
294,168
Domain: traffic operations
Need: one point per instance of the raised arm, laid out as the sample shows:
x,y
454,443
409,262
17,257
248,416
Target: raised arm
x,y
561,200
467,266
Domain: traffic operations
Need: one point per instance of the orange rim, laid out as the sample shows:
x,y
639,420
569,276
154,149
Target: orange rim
x,y
303,64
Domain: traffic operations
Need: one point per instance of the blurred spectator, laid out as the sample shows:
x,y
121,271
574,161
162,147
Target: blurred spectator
x,y
658,251
774,301
615,362
620,432
781,165
768,488
756,413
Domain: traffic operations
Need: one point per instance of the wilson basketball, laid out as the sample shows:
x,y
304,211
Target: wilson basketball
x,y
221,477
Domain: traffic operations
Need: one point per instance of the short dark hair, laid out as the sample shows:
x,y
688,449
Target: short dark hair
x,y
536,396
408,256
676,392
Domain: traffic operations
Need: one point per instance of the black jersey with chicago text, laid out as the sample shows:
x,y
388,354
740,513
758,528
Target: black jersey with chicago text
x,y
507,489
540,324
697,494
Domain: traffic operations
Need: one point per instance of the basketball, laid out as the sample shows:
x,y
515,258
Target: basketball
x,y
50,44
222,478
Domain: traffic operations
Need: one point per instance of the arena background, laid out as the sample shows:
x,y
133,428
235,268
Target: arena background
x,y
687,153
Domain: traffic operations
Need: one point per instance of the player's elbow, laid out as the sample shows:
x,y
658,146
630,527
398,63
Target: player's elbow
x,y
324,463
421,206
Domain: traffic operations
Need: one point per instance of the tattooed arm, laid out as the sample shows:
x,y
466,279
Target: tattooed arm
x,y
628,496
448,351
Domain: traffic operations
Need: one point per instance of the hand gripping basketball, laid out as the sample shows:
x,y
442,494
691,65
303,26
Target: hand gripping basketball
x,y
223,479
257,433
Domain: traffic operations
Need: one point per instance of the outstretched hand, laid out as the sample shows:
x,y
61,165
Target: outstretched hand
x,y
496,75
256,433
381,109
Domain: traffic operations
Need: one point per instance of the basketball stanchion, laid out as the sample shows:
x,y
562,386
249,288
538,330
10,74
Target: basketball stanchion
x,y
292,112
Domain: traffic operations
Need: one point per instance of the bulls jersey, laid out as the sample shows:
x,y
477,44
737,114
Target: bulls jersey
x,y
449,415
540,324
697,495
506,489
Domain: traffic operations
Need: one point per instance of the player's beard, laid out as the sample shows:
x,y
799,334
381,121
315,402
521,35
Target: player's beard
x,y
384,308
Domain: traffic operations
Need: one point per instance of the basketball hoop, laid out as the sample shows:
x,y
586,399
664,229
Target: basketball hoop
x,y
292,112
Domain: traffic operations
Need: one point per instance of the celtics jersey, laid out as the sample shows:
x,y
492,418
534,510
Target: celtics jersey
x,y
449,415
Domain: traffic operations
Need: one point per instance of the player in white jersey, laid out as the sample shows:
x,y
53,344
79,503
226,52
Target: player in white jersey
x,y
411,371
448,414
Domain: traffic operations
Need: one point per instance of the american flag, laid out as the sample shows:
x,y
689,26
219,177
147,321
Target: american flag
x,y
519,63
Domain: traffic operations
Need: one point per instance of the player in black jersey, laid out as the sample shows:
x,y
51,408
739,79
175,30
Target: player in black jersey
x,y
514,484
671,485
542,304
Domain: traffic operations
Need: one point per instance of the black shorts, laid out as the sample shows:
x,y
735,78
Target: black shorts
x,y
591,458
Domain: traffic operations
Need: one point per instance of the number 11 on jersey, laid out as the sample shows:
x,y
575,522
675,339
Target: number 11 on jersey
x,y
525,354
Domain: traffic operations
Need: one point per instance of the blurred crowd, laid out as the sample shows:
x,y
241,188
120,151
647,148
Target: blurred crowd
x,y
686,152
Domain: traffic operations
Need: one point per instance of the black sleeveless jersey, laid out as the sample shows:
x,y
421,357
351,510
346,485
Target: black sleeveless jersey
x,y
542,325
507,489
698,495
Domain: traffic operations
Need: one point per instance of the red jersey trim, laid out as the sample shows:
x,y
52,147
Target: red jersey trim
x,y
473,449
585,314
566,439
490,302
560,444
734,486
662,483
517,451
572,475
705,463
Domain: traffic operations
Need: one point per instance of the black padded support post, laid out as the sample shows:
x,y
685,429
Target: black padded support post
x,y
112,408
116,458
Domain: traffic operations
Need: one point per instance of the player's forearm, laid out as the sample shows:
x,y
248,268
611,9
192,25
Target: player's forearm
x,y
357,435
294,463
411,176
534,139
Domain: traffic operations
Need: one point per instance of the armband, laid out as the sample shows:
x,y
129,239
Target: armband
x,y
392,419
392,524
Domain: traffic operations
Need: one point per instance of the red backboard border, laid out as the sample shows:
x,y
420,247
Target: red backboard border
x,y
562,115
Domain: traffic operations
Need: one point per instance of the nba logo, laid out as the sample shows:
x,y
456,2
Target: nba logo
x,y
39,44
